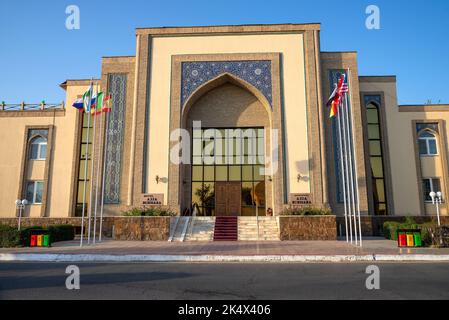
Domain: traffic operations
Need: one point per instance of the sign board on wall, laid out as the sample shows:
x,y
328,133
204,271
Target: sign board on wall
x,y
153,199
299,200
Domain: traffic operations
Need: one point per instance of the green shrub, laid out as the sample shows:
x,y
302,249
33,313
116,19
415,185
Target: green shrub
x,y
149,212
61,232
390,229
9,237
306,211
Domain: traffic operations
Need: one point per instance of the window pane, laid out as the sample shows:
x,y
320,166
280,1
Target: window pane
x,y
34,151
197,147
257,173
80,191
197,133
30,192
208,195
422,146
43,153
197,173
380,190
84,136
209,173
374,148
372,116
373,131
197,160
247,191
197,188
260,133
82,169
247,173
39,189
427,134
221,173
220,147
234,173
427,189
376,167
260,146
86,120
432,146
436,184
83,150
259,191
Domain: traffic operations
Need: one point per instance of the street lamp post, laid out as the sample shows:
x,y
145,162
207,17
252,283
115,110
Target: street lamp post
x,y
436,200
20,204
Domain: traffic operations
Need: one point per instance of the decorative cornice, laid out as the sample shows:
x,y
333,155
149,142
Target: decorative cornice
x,y
224,29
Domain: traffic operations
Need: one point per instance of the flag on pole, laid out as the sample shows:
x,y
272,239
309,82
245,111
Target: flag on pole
x,y
87,99
107,100
78,104
97,105
334,100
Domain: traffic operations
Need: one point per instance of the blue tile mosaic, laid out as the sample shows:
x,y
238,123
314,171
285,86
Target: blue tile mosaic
x,y
431,126
115,133
195,74
372,98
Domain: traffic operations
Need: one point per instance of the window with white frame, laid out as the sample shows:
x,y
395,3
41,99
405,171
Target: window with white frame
x,y
429,185
34,192
38,148
427,143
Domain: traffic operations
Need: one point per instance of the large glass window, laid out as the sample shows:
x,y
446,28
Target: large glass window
x,y
34,192
234,154
429,185
84,160
427,143
376,159
38,148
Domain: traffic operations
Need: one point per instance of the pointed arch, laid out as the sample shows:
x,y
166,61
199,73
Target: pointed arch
x,y
221,80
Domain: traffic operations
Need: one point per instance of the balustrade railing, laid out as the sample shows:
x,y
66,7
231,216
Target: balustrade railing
x,y
31,106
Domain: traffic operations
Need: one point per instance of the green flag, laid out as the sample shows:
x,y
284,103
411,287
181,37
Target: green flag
x,y
98,104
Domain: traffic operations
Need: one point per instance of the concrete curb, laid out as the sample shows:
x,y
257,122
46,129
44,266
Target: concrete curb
x,y
32,257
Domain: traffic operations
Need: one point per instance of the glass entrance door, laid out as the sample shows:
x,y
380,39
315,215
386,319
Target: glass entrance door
x,y
228,155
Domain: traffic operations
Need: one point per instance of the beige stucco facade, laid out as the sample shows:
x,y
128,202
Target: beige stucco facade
x,y
265,76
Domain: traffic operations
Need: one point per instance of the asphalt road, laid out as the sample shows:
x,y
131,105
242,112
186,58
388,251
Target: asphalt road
x,y
224,281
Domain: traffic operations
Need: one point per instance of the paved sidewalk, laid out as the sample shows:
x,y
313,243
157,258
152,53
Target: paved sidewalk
x,y
373,249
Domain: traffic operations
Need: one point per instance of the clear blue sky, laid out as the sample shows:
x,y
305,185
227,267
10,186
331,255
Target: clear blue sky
x,y
38,53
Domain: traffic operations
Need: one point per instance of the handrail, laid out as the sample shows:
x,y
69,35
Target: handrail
x,y
31,106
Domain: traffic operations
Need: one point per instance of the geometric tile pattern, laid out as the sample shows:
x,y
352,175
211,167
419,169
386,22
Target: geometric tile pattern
x,y
115,136
257,73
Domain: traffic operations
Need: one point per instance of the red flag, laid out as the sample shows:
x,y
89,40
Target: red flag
x,y
339,91
107,103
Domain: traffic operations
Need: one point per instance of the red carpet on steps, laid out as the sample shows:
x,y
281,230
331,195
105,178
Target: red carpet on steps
x,y
225,229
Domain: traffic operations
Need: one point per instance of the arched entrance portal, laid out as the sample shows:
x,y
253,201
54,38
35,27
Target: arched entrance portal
x,y
229,128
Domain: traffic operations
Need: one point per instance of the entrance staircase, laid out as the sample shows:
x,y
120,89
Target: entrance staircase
x,y
226,229
268,229
223,228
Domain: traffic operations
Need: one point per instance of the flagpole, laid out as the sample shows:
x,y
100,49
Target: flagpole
x,y
346,171
98,166
351,168
104,172
87,162
355,171
91,178
342,176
